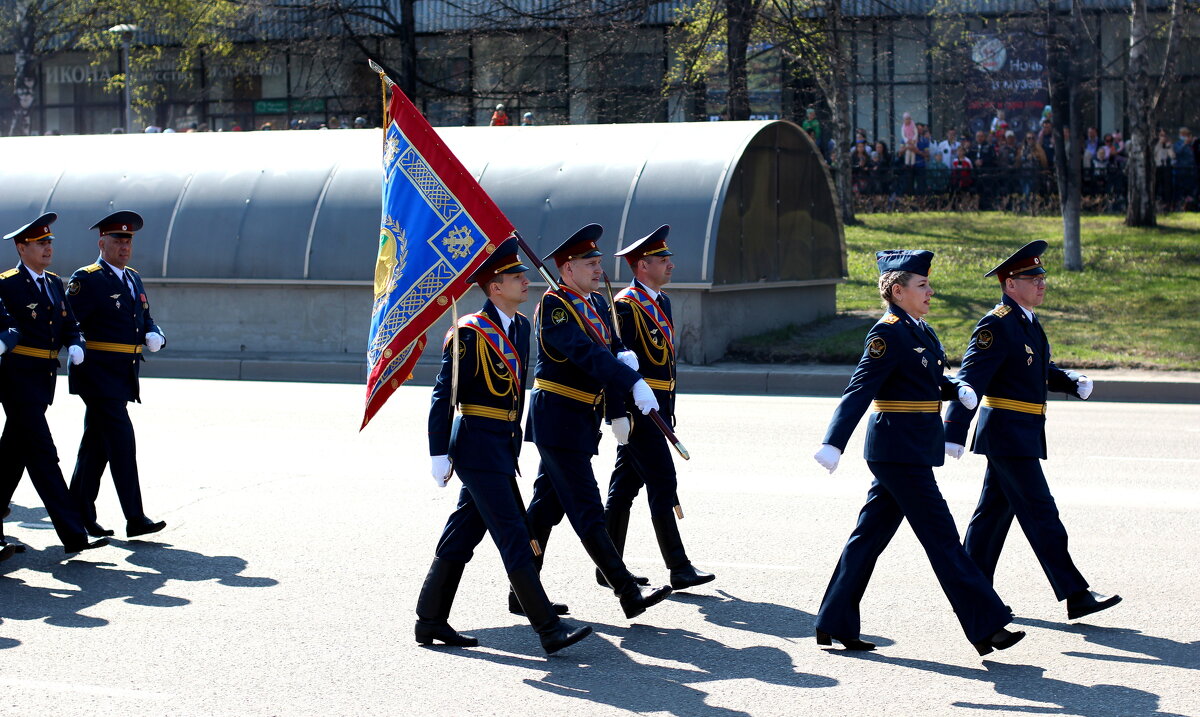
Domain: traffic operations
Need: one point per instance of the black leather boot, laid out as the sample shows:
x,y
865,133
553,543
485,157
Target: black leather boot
x,y
683,574
634,598
433,606
1086,602
554,633
616,523
514,603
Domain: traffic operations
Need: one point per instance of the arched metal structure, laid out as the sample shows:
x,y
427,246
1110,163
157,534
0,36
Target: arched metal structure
x,y
750,205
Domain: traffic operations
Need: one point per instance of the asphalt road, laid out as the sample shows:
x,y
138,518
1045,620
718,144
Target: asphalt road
x,y
286,580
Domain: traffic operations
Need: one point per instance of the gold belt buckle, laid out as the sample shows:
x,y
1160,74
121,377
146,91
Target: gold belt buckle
x,y
512,415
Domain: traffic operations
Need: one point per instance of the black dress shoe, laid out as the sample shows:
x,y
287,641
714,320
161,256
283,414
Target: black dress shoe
x,y
83,544
143,526
689,577
514,606
16,547
426,633
1086,602
96,530
639,579
1002,639
850,643
562,635
6,551
635,601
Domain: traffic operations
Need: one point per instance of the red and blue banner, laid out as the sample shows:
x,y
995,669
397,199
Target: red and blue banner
x,y
438,227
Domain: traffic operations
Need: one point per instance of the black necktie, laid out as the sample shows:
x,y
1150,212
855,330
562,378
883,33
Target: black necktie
x,y
42,288
129,283
512,333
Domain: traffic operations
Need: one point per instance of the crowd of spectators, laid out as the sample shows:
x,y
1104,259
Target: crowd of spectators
x,y
998,168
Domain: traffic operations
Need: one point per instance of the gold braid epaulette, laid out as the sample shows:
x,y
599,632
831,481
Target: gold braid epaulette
x,y
1001,310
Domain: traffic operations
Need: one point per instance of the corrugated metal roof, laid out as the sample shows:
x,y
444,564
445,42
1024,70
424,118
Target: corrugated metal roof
x,y
305,205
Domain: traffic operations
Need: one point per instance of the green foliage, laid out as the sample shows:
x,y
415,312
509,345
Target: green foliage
x,y
1134,305
698,40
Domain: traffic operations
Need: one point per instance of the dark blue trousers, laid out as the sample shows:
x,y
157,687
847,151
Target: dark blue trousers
x,y
902,491
486,504
565,485
645,460
108,440
1017,486
27,444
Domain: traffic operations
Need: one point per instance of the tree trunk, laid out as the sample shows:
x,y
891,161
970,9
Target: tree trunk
x,y
739,18
1065,77
838,98
1141,210
25,72
408,45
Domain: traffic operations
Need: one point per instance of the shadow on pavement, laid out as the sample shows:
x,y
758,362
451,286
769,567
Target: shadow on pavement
x,y
1028,682
1157,650
766,618
97,580
595,670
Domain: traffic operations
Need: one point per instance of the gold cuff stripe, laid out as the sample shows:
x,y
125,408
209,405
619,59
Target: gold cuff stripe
x,y
36,353
114,348
470,409
1009,404
582,396
659,385
907,406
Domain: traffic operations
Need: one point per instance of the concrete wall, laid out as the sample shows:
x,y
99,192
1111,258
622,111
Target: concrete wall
x,y
310,321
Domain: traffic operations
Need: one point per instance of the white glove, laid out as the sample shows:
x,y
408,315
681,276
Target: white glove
x,y
954,450
75,354
628,358
3,347
1083,386
828,457
967,397
441,470
643,397
154,341
620,430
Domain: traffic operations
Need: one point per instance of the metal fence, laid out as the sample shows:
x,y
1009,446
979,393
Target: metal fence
x,y
911,188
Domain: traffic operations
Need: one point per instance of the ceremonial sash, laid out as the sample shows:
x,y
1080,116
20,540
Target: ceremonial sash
x,y
495,338
586,311
636,296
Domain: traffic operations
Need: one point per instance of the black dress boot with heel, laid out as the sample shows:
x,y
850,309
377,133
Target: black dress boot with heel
x,y
433,606
554,632
616,523
684,575
514,603
634,598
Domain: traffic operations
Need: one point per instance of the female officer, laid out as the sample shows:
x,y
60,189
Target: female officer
x,y
901,376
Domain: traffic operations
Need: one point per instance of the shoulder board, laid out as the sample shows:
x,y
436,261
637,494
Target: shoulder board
x,y
130,268
50,273
10,272
91,268
1001,310
889,319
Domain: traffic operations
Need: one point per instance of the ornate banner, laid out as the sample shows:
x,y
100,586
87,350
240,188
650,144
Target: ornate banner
x,y
438,227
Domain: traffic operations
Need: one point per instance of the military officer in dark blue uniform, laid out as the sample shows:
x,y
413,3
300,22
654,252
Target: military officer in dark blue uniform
x,y
482,444
582,374
643,456
28,374
901,377
109,300
1008,362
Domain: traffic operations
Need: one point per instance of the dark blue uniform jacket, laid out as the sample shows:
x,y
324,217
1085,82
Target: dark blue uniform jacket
x,y
903,361
43,323
1008,358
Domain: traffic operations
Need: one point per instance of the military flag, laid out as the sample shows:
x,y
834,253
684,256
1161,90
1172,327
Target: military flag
x,y
438,226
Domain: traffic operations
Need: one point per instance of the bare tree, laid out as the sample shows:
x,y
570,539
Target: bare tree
x,y
1143,100
37,29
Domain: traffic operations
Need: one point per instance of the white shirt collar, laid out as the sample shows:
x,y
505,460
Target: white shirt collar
x,y
653,294
505,320
120,272
1028,313
33,273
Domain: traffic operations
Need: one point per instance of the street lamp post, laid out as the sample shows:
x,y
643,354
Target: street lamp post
x,y
126,33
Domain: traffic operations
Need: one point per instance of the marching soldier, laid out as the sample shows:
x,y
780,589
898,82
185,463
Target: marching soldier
x,y
644,458
577,379
901,376
28,374
109,300
482,445
1008,362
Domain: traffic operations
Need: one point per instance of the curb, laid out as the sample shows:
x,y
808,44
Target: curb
x,y
728,379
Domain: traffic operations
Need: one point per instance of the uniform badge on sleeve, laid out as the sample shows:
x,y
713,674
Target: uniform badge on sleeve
x,y
559,316
984,340
876,348
73,287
